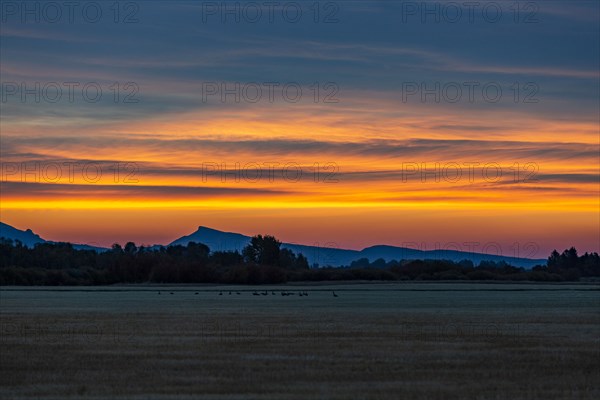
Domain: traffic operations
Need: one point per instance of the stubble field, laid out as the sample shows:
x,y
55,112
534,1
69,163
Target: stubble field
x,y
372,341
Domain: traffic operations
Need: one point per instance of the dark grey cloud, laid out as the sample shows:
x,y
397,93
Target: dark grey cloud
x,y
59,190
411,150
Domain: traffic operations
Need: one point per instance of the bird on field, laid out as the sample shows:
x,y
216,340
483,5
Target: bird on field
x,y
170,292
159,292
334,295
220,293
196,293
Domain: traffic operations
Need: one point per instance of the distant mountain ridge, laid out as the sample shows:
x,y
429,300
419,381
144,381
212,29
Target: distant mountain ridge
x,y
30,239
228,241
27,237
216,240
322,255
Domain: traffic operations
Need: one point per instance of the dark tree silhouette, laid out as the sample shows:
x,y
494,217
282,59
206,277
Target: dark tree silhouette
x,y
263,261
130,248
262,250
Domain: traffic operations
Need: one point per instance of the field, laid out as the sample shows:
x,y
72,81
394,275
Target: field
x,y
372,341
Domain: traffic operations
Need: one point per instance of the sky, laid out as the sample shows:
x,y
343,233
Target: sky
x,y
337,123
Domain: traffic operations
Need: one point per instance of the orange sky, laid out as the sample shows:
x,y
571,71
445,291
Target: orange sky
x,y
370,167
377,182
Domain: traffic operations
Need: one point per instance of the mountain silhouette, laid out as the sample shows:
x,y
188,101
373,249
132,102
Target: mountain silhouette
x,y
331,256
27,237
316,255
215,240
30,239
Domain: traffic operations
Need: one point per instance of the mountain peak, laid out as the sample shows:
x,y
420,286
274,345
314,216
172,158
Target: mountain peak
x,y
27,237
214,238
207,230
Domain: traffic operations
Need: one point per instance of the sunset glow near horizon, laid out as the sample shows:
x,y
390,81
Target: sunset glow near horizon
x,y
401,135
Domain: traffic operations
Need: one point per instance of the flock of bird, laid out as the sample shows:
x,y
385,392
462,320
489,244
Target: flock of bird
x,y
266,293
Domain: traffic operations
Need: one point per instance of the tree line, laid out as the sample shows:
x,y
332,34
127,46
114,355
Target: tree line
x,y
261,261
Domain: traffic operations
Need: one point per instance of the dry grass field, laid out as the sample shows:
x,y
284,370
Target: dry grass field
x,y
372,341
